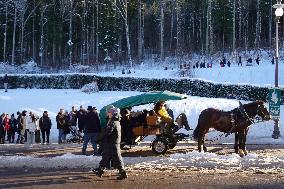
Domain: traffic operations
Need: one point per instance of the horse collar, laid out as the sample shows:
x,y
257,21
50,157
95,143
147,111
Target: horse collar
x,y
244,114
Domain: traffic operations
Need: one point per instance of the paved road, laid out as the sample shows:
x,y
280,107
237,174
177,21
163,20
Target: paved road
x,y
83,179
157,179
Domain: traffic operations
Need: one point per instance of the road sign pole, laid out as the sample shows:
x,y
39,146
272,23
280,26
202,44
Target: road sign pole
x,y
274,109
276,133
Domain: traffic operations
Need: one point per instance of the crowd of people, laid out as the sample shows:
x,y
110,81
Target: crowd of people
x,y
28,126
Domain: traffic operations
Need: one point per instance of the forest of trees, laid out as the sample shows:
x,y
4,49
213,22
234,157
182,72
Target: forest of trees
x,y
89,32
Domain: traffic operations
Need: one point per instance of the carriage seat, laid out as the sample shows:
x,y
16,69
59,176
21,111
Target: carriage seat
x,y
153,120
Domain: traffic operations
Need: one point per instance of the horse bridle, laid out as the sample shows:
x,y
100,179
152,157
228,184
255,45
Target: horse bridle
x,y
254,119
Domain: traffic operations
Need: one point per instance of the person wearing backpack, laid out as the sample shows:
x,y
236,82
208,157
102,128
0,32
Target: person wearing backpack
x,y
45,126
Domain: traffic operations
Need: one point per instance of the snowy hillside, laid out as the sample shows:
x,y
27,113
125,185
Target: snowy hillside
x,y
263,75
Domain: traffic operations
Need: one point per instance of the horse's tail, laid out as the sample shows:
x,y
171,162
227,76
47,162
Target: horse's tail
x,y
199,125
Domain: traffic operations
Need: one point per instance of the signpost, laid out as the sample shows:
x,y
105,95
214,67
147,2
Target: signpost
x,y
274,109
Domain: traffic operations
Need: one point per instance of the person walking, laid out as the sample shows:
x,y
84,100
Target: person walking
x,y
31,125
61,122
45,126
111,151
91,129
5,80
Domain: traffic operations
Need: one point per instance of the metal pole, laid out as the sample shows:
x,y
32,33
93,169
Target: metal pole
x,y
276,132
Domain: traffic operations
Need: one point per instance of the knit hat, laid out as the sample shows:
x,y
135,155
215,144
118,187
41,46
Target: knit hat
x,y
113,110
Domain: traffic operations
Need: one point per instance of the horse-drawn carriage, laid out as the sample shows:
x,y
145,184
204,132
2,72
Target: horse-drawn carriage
x,y
136,126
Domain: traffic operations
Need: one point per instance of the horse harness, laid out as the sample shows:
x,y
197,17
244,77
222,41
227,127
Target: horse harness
x,y
244,114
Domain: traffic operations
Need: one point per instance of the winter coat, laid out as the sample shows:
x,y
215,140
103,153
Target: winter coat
x,y
73,118
14,124
113,130
45,123
21,124
7,124
92,123
30,124
163,113
111,147
80,116
60,120
66,125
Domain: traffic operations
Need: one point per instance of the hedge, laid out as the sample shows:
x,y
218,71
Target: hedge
x,y
192,87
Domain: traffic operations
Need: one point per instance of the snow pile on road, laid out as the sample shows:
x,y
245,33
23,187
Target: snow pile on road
x,y
191,160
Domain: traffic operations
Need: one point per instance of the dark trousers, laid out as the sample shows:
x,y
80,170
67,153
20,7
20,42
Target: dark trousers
x,y
81,127
45,132
11,136
2,136
111,155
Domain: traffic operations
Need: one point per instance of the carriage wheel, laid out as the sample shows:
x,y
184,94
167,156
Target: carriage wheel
x,y
159,146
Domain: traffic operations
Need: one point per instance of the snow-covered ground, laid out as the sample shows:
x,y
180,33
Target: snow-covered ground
x,y
262,75
38,100
52,100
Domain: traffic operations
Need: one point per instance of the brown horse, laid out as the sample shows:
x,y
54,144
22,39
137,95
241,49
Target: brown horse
x,y
235,121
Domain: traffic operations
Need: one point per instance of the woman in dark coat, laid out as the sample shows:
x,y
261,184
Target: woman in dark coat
x,y
111,152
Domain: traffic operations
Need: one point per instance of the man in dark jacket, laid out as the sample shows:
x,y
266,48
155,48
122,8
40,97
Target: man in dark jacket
x,y
91,129
45,126
112,141
80,116
61,122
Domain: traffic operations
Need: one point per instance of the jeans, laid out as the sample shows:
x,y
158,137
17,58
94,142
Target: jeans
x,y
87,138
61,136
30,138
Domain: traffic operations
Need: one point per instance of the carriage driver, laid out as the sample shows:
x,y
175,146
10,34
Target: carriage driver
x,y
161,111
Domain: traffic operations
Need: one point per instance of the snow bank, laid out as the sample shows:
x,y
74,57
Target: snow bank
x,y
191,160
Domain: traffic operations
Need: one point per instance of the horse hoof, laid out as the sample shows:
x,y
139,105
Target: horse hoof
x,y
241,153
245,152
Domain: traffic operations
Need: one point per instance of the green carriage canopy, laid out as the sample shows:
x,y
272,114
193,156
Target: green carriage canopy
x,y
145,98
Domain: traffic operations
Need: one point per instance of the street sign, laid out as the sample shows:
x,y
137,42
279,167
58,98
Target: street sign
x,y
274,102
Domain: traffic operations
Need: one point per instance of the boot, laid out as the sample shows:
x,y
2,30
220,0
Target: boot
x,y
98,171
83,152
122,175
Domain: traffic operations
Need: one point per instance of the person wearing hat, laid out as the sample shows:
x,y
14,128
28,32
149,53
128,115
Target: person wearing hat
x,y
111,152
45,126
91,129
